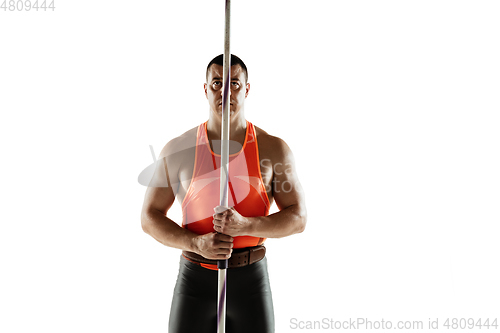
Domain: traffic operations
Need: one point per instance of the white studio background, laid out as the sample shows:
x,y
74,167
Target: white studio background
x,y
390,107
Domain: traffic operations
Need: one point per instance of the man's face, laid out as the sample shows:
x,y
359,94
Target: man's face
x,y
238,92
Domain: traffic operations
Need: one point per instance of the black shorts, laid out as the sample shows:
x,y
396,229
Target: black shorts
x,y
249,303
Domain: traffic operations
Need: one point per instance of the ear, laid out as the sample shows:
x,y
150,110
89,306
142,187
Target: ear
x,y
205,88
247,90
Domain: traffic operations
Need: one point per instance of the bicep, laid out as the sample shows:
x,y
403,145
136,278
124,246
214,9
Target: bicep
x,y
287,190
160,195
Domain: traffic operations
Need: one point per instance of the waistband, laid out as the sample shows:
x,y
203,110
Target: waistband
x,y
239,258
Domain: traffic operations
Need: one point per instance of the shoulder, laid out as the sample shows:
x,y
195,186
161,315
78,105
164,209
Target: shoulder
x,y
183,142
270,145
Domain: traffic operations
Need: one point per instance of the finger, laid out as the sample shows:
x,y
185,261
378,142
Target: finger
x,y
224,250
219,216
222,221
219,256
220,209
225,245
224,238
222,231
218,224
222,256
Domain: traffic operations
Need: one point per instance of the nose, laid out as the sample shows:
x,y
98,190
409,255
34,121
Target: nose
x,y
222,92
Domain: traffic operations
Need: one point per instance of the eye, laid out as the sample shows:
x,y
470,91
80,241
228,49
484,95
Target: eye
x,y
235,85
216,85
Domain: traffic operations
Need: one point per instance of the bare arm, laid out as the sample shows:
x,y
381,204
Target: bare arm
x,y
289,197
158,200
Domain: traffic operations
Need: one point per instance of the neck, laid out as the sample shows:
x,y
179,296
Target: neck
x,y
237,127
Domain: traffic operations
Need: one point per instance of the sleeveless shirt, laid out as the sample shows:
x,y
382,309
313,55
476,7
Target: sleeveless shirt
x,y
247,192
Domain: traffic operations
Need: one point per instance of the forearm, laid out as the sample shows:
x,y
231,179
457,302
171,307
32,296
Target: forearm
x,y
286,222
167,232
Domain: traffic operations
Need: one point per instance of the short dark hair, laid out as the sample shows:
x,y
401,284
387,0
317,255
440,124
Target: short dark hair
x,y
219,60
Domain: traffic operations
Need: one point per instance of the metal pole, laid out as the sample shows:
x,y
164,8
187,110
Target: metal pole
x,y
224,173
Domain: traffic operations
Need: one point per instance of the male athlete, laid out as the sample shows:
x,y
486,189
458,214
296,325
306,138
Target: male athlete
x,y
261,169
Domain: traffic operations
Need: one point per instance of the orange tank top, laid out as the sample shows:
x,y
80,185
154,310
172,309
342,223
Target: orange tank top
x,y
247,193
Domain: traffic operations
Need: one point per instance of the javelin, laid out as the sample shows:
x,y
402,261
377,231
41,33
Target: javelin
x,y
224,171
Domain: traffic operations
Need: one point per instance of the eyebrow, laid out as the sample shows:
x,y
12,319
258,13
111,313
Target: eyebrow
x,y
220,79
